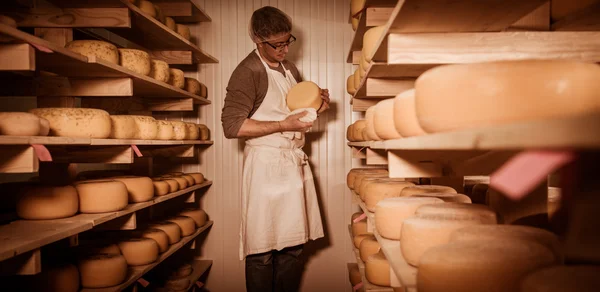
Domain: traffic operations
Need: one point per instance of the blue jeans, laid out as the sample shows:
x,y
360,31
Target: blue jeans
x,y
275,271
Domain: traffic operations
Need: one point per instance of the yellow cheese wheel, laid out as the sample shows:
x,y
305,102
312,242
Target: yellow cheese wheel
x,y
19,124
122,127
362,189
350,85
96,49
198,215
421,189
505,232
361,73
350,133
383,120
203,90
187,224
47,202
357,79
170,23
369,132
161,187
359,228
405,115
368,247
361,176
57,278
147,7
495,266
359,127
140,189
391,213
204,132
183,183
355,171
422,233
370,40
377,270
356,6
354,275
380,190
459,210
173,184
190,179
179,130
192,131
513,99
159,70
176,78
139,251
171,229
165,130
198,177
183,30
102,270
147,127
159,236
101,196
192,86
76,122
364,65
581,278
137,61
449,198
305,94
160,16
44,127
355,22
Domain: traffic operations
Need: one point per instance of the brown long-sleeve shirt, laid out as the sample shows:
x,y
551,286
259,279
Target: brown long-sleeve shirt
x,y
246,91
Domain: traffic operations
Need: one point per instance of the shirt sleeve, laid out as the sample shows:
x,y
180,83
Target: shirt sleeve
x,y
239,101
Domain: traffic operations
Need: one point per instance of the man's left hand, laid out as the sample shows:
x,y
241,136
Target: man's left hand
x,y
326,100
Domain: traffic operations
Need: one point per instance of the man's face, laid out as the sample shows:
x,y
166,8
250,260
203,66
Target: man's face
x,y
277,41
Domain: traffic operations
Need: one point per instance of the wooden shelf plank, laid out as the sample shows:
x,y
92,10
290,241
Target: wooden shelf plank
x,y
17,57
42,140
381,88
587,19
372,16
361,267
22,236
199,268
137,272
407,274
183,11
362,104
100,142
18,159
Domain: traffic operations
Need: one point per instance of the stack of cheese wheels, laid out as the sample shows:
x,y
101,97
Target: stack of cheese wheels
x,y
56,278
515,99
350,85
139,251
459,210
123,127
165,131
76,122
305,94
370,40
102,270
171,229
179,130
183,30
382,189
161,187
139,189
147,127
508,232
185,223
368,174
192,131
368,247
95,49
424,189
159,70
23,124
354,276
147,7
377,270
391,213
176,78
562,278
204,132
137,61
47,202
199,216
351,177
405,115
447,197
369,131
364,65
362,188
496,266
100,196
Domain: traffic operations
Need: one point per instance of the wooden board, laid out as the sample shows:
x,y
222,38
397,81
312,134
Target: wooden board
x,y
362,104
373,16
17,57
183,11
199,268
381,88
27,140
361,267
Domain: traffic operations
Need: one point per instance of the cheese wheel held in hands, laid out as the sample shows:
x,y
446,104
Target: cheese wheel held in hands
x,y
305,94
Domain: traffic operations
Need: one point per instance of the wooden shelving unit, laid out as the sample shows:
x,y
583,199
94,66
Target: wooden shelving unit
x,y
376,13
199,268
361,267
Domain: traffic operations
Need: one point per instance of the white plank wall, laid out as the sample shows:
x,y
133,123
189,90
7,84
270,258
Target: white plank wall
x,y
324,35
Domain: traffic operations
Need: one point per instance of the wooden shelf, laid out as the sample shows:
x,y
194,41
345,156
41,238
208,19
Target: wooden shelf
x,y
376,13
407,274
21,236
183,11
199,268
46,140
62,61
361,267
136,273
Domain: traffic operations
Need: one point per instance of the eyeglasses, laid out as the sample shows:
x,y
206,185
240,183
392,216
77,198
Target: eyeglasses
x,y
280,46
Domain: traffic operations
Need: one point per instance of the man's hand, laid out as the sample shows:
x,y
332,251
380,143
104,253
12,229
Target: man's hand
x,y
326,100
293,124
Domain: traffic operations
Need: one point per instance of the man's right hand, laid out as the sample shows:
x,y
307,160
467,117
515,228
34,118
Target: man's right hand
x,y
294,124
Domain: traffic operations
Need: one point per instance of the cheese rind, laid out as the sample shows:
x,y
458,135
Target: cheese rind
x,y
139,189
101,196
183,30
459,210
405,115
147,127
192,86
171,229
358,128
356,6
190,180
192,131
123,127
160,16
95,49
186,224
423,189
197,176
165,130
139,251
350,178
159,236
176,78
354,275
305,94
368,247
562,278
446,197
19,124
161,187
380,190
377,270
380,178
359,228
103,270
204,132
173,184
391,213
199,216
357,239
159,70
47,202
137,61
370,41
350,85
361,176
76,122
147,7
369,132
170,23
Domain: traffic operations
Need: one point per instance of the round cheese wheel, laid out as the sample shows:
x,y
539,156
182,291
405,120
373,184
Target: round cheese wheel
x,y
171,229
358,129
183,270
369,131
422,233
170,23
147,7
139,251
446,197
405,115
359,228
160,16
362,189
192,86
350,133
159,70
137,61
562,278
356,6
383,120
47,202
504,232
305,94
353,173
357,79
391,213
422,189
176,78
198,215
101,196
204,132
361,73
192,131
513,99
102,270
58,278
360,176
123,127
364,65
173,184
183,183
179,130
165,130
161,187
140,189
177,284
354,275
19,124
370,40
95,49
368,247
350,85
459,210
355,22
357,239
76,122
379,190
183,30
187,224
198,177
203,90
377,270
159,236
147,127
44,127
496,266
190,179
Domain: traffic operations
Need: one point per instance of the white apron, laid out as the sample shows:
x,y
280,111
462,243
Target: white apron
x,y
279,200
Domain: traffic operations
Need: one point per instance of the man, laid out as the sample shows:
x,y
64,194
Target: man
x,y
280,211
